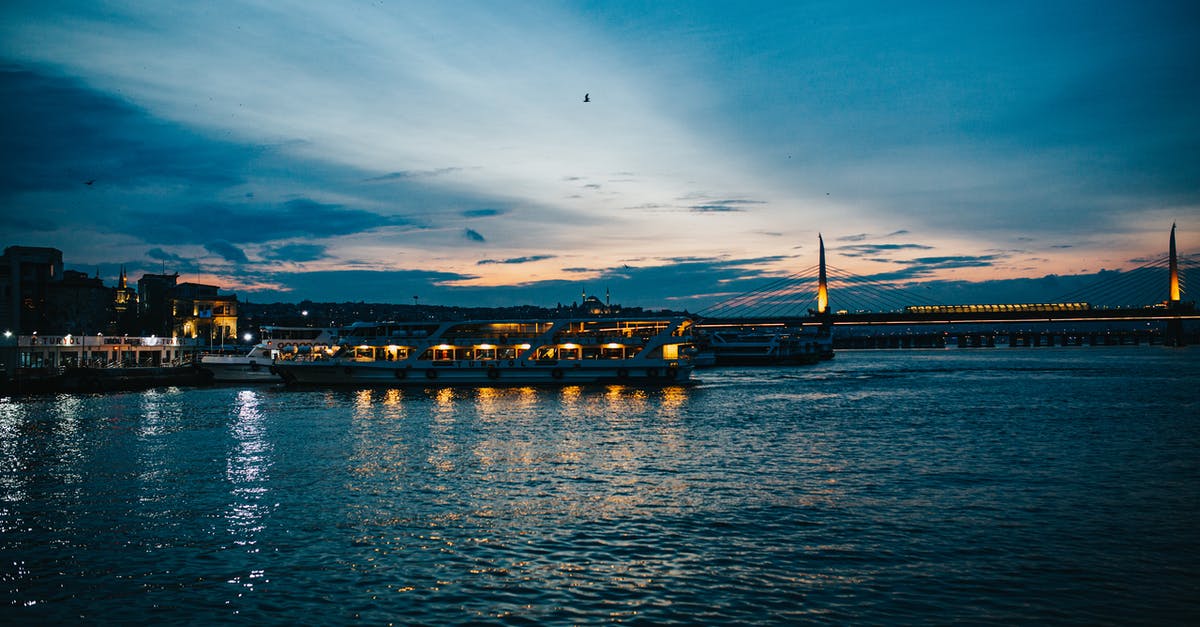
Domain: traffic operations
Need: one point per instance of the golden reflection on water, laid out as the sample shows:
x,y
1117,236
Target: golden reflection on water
x,y
508,455
392,397
445,398
571,394
362,399
486,401
673,398
443,446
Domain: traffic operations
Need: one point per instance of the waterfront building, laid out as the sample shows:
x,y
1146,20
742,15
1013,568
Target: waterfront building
x,y
192,310
52,318
27,274
201,311
42,351
124,306
78,304
154,302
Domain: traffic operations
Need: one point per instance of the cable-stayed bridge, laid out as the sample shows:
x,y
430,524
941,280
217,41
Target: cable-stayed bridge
x,y
1145,300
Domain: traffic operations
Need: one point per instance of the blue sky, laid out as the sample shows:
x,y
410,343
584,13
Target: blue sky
x,y
376,151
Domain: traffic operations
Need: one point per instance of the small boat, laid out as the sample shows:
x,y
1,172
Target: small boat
x,y
277,344
574,351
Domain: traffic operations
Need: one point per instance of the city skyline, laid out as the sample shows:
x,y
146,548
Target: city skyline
x,y
371,152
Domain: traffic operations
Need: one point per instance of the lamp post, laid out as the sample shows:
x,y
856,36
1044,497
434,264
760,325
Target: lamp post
x,y
8,359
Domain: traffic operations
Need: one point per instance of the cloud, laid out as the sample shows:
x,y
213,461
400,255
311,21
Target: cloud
x,y
724,206
961,261
392,286
226,251
976,125
295,252
515,260
57,134
482,213
411,174
866,250
922,267
162,255
254,223
36,222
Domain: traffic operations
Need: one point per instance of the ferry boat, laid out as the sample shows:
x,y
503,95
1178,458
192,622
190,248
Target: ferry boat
x,y
277,344
569,351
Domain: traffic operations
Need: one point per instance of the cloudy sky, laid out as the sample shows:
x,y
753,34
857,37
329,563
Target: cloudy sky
x,y
380,150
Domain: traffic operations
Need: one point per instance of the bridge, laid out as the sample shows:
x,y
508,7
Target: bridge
x,y
1142,305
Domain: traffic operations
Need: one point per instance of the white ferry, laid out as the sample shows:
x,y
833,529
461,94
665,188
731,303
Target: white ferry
x,y
277,344
650,350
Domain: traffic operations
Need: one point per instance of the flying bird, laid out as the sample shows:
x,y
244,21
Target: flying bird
x,y
89,181
587,97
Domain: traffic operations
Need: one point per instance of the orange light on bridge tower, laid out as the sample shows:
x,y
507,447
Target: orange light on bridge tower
x,y
822,284
1174,269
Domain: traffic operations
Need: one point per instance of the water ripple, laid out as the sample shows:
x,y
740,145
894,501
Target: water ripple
x,y
1052,485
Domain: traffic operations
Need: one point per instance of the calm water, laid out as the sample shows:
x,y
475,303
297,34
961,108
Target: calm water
x,y
989,486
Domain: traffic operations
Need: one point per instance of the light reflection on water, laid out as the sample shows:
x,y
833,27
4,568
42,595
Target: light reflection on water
x,y
248,470
874,489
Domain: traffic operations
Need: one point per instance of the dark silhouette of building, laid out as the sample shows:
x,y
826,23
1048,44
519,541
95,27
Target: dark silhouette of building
x,y
38,296
155,311
27,275
78,304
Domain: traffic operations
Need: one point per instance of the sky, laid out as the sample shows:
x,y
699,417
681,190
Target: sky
x,y
377,151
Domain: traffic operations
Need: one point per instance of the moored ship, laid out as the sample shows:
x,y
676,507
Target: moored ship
x,y
277,344
569,351
766,347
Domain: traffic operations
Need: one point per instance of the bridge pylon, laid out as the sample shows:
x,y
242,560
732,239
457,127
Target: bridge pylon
x,y
823,313
1174,335
822,281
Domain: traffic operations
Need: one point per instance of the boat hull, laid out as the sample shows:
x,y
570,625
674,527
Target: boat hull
x,y
240,370
741,359
479,374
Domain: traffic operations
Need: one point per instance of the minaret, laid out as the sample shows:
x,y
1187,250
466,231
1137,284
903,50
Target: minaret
x,y
122,283
1174,262
822,284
